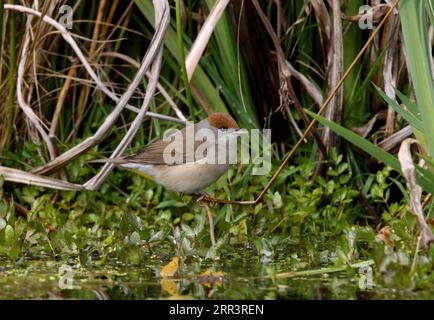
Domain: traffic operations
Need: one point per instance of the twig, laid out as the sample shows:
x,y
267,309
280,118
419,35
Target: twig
x,y
211,221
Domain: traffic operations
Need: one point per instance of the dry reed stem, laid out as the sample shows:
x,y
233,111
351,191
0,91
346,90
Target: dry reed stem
x,y
414,190
211,223
323,17
160,88
19,176
390,44
97,180
153,55
61,100
70,40
395,139
31,115
203,37
334,111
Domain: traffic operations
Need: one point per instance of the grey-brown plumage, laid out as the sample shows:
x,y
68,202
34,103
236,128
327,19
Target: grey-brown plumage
x,y
189,172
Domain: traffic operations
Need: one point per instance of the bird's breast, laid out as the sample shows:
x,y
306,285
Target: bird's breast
x,y
189,177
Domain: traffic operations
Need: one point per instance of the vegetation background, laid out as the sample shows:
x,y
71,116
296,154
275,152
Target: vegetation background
x,y
341,203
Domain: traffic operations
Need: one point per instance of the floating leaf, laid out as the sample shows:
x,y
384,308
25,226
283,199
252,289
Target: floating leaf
x,y
208,277
169,286
170,269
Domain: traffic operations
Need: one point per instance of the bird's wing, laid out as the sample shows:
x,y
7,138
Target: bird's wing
x,y
156,152
152,154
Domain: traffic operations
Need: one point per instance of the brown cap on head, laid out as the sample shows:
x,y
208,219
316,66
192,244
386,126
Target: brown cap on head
x,y
221,120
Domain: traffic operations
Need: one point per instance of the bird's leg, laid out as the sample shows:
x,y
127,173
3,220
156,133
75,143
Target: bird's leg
x,y
202,196
205,197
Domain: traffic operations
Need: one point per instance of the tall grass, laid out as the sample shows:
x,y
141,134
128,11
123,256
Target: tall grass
x,y
415,29
223,81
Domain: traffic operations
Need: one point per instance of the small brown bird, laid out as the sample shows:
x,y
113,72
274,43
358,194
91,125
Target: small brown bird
x,y
184,163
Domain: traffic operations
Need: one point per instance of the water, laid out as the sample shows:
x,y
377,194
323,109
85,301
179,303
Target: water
x,y
246,276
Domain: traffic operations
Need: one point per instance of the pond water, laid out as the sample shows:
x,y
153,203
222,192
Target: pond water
x,y
240,277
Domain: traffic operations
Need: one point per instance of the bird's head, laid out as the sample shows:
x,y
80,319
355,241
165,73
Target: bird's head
x,y
222,122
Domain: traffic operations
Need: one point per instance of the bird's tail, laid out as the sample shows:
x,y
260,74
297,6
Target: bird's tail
x,y
118,160
146,169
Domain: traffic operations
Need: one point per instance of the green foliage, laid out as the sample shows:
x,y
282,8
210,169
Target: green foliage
x,y
415,30
424,177
308,237
320,221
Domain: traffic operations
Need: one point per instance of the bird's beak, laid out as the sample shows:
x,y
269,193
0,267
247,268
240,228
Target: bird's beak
x,y
240,132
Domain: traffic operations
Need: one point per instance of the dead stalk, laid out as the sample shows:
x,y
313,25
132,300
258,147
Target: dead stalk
x,y
153,56
203,37
70,40
211,223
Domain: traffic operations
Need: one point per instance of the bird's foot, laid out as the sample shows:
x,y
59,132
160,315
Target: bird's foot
x,y
202,195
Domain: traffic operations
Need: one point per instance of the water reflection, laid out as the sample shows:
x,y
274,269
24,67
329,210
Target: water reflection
x,y
227,278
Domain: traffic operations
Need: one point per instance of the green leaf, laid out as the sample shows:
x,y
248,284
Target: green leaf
x,y
410,105
426,181
189,232
170,203
9,235
355,139
414,121
414,29
200,79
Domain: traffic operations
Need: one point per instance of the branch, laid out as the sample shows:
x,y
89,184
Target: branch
x,y
19,176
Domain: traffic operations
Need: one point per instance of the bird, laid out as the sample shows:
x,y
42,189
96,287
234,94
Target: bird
x,y
184,164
